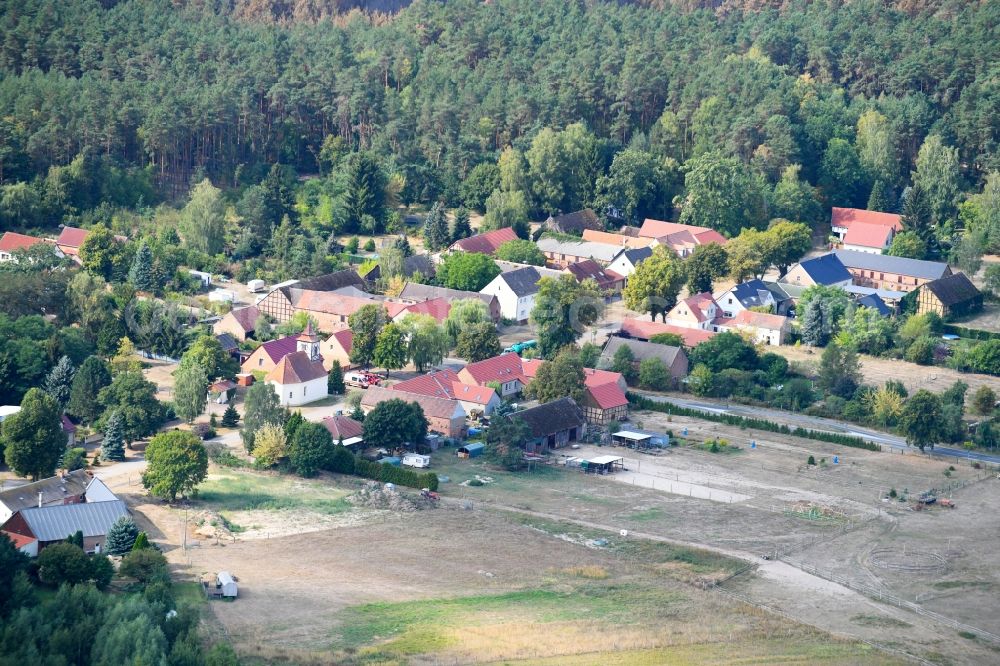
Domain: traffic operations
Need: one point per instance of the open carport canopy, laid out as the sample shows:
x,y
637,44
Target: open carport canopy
x,y
633,436
606,460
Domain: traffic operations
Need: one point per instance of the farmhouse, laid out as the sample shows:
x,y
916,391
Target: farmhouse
x,y
561,254
604,392
337,347
487,243
895,273
54,523
435,307
332,309
763,328
70,241
444,416
574,223
874,302
11,242
950,296
626,261
553,425
606,279
673,357
446,384
750,294
644,329
515,291
621,240
240,323
344,430
696,311
505,369
69,488
842,220
281,302
826,269
415,292
681,238
299,377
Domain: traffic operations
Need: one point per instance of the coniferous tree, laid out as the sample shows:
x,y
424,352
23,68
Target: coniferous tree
x,y
436,229
917,217
113,446
460,226
121,536
141,272
230,418
59,383
335,381
91,377
141,542
879,198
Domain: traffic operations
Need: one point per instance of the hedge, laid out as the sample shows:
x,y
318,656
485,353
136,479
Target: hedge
x,y
642,402
970,333
391,474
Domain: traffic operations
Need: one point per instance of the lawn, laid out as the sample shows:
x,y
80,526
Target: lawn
x,y
240,490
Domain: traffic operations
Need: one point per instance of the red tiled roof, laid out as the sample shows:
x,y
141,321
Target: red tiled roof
x,y
296,368
246,317
599,377
487,243
280,348
503,368
658,229
846,217
72,237
759,320
20,540
11,241
437,384
699,304
607,396
616,239
709,236
644,330
342,427
435,307
441,408
345,339
866,234
480,395
588,268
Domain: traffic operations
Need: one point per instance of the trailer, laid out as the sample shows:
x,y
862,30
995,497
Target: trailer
x,y
256,286
416,460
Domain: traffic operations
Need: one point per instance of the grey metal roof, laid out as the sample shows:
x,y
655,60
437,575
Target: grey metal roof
x,y
600,251
55,489
54,523
640,351
827,269
927,270
752,293
420,292
523,281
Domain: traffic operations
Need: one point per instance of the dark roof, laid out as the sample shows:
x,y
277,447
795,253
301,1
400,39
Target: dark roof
x,y
927,270
636,255
58,521
419,263
54,489
751,293
413,291
552,417
523,281
953,290
576,222
640,351
826,269
590,269
278,349
329,282
246,317
227,342
875,303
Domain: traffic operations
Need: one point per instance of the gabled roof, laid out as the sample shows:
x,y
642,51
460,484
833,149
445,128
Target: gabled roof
x,y
847,217
58,521
592,377
19,540
67,425
590,269
278,349
699,304
419,263
413,291
552,417
227,342
479,395
54,489
927,270
441,408
640,328
523,281
437,383
953,290
606,396
246,317
575,222
600,251
635,256
296,368
752,293
11,241
72,237
617,239
641,351
332,281
875,303
827,269
502,368
864,234
435,307
763,320
345,338
342,427
487,243
658,229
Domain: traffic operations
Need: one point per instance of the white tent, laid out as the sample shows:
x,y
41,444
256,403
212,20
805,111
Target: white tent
x,y
224,580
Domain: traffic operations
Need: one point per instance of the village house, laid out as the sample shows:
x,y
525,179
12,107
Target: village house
x,y
515,291
299,377
874,302
344,430
763,328
893,273
842,220
487,243
265,357
750,294
673,358
560,254
240,323
281,302
70,241
446,384
644,329
681,238
553,425
620,240
54,523
626,261
337,347
696,311
415,292
435,307
10,242
607,280
444,416
951,296
574,223
505,370
870,238
826,269
68,488
604,392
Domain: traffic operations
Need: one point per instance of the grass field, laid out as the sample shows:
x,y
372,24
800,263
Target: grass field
x,y
247,491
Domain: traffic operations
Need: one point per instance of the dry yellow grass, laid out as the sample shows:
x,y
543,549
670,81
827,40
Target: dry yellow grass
x,y
592,572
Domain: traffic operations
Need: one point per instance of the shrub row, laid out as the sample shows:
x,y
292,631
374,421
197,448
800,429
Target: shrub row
x,y
643,402
970,333
346,462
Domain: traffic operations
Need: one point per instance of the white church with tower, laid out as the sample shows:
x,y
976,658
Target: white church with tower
x,y
299,378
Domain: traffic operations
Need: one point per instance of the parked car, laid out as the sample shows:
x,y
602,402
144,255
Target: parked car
x,y
359,379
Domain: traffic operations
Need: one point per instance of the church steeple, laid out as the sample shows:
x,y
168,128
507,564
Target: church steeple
x,y
308,342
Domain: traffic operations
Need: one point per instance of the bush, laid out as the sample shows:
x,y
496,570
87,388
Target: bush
x,y
63,563
75,458
811,461
146,566
391,474
342,460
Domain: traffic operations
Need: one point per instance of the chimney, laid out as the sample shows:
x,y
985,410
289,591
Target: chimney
x,y
39,499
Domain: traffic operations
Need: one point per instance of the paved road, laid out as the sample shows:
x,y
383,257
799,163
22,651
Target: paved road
x,y
817,423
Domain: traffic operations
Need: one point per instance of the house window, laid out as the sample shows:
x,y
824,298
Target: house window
x,y
303,391
289,395
260,362
730,301
881,276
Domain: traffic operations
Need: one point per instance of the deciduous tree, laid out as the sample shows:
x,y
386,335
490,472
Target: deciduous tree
x,y
33,438
468,271
478,341
522,252
190,391
310,449
561,377
563,308
920,420
722,194
393,423
655,284
176,463
366,324
391,348
260,407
